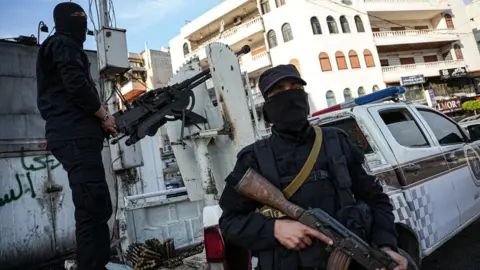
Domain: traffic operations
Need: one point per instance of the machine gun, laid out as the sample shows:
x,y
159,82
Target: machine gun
x,y
150,111
345,243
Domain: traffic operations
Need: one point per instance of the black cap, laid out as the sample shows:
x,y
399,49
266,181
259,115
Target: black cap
x,y
271,76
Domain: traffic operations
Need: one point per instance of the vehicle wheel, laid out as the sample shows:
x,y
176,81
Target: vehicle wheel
x,y
412,265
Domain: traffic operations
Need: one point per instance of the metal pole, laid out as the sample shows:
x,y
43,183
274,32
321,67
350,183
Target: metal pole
x,y
252,105
103,6
156,194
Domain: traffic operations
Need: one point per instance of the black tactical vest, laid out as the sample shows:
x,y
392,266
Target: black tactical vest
x,y
327,187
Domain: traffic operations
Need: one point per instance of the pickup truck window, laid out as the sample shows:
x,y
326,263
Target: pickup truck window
x,y
445,130
356,136
404,128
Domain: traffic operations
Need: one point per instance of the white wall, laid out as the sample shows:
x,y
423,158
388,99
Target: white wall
x,y
306,47
461,21
211,15
176,52
473,11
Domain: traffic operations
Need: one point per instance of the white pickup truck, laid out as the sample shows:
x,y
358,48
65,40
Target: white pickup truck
x,y
425,161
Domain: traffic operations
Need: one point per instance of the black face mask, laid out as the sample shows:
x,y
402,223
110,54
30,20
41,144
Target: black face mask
x,y
65,22
288,111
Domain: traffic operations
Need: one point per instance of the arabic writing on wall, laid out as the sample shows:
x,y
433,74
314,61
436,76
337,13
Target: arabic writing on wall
x,y
24,182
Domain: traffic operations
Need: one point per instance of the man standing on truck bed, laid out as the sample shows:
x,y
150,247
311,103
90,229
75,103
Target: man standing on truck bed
x,y
331,185
75,128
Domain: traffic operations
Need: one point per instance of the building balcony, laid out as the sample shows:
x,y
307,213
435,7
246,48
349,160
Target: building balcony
x,y
388,38
255,63
249,31
258,100
132,89
418,8
431,69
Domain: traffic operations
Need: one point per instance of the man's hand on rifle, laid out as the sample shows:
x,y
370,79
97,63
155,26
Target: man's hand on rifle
x,y
294,235
402,262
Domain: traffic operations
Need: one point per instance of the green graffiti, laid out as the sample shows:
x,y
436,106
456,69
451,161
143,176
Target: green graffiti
x,y
40,163
22,190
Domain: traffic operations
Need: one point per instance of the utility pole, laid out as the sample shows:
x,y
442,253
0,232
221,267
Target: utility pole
x,y
107,84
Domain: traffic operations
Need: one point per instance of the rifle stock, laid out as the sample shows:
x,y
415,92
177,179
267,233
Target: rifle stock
x,y
259,189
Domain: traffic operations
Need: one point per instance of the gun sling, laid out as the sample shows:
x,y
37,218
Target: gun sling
x,y
301,176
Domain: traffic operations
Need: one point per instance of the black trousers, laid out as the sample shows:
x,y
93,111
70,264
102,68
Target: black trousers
x,y
82,159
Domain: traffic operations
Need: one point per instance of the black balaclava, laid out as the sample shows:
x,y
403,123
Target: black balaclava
x,y
71,18
287,111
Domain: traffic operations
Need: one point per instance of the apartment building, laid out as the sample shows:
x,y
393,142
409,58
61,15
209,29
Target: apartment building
x,y
473,13
348,48
150,69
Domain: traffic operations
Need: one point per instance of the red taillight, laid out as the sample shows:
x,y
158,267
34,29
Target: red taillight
x,y
214,246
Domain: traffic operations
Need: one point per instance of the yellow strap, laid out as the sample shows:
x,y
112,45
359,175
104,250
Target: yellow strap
x,y
303,174
307,167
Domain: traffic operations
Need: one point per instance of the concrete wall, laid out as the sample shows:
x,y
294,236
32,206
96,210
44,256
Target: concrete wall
x,y
37,224
159,67
461,21
473,11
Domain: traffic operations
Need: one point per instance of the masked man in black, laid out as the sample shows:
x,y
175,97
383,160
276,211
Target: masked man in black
x,y
281,243
76,125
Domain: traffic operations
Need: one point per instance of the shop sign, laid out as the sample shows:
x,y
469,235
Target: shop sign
x,y
411,80
450,105
453,73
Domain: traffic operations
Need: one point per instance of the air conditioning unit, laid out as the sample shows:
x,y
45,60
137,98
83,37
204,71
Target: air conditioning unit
x,y
237,20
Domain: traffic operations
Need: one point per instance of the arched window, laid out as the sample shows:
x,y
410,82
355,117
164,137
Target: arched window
x,y
344,24
324,62
347,94
332,25
185,49
359,24
330,96
265,5
354,61
280,3
341,61
317,30
361,91
375,88
272,39
287,32
458,52
449,21
296,64
367,54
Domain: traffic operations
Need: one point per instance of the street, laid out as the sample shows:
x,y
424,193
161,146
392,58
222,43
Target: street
x,y
461,252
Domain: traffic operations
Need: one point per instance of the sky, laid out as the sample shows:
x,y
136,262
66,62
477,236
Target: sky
x,y
153,22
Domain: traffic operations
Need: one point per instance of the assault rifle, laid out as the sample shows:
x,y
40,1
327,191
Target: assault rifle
x,y
257,188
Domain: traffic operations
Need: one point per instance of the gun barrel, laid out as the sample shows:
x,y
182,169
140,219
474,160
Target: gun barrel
x,y
257,188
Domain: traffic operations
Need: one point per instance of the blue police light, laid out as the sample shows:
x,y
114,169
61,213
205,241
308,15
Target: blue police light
x,y
387,93
382,95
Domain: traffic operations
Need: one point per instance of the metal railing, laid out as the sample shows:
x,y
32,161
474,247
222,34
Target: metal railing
x,y
410,33
227,33
434,65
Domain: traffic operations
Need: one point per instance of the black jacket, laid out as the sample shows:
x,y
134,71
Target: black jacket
x,y
241,225
66,95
